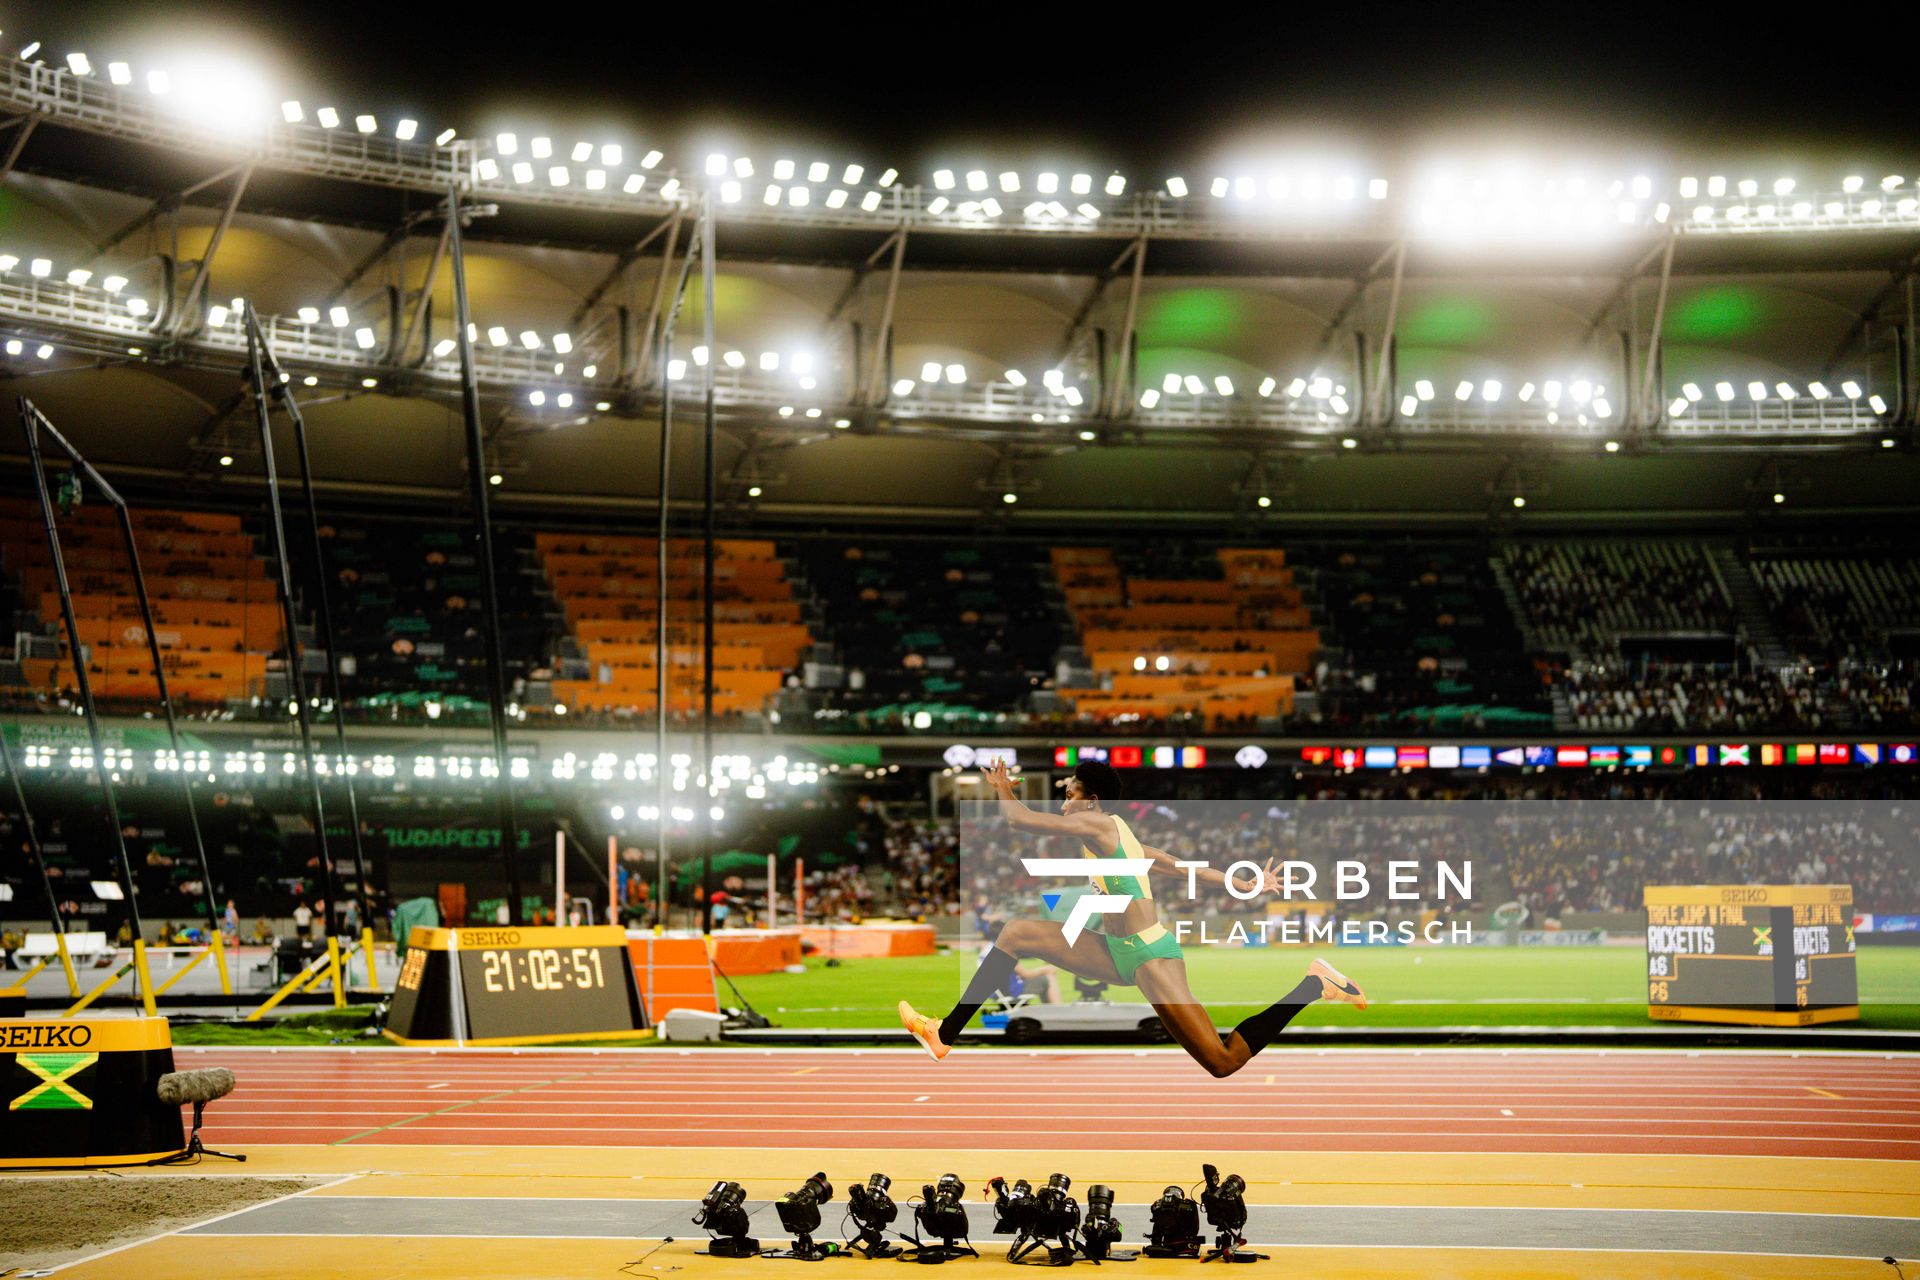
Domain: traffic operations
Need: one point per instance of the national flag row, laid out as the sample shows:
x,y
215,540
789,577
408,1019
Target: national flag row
x,y
1630,756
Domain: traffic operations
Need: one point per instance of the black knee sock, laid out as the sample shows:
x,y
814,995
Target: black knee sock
x,y
1260,1029
995,968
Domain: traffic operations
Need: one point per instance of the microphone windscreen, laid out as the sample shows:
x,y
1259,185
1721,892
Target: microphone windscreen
x,y
179,1088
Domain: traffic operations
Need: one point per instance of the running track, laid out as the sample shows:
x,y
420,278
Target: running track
x,y
1737,1103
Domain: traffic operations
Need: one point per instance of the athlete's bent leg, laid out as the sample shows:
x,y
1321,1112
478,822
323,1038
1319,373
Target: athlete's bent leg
x,y
1019,940
1164,983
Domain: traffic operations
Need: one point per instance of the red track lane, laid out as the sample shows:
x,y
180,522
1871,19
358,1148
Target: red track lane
x,y
1751,1103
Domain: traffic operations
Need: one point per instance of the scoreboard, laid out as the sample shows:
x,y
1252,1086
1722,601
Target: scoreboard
x,y
1762,955
515,986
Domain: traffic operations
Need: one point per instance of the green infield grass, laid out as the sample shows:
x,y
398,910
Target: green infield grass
x,y
1408,986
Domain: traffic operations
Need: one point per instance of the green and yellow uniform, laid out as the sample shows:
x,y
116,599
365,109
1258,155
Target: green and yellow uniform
x,y
1152,942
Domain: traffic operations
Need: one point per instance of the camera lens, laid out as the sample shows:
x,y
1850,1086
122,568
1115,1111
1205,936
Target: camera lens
x,y
879,1182
1232,1186
1099,1200
1059,1181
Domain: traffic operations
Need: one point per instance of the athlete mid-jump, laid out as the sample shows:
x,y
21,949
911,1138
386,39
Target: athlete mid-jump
x,y
1137,950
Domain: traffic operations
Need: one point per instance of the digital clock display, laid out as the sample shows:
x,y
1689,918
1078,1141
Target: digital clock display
x,y
517,985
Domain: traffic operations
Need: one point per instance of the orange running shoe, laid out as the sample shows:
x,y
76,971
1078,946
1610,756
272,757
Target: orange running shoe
x,y
924,1029
1336,986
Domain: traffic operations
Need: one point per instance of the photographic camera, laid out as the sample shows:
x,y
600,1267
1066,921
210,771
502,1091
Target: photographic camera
x,y
941,1212
800,1213
1226,1208
1098,1235
722,1212
1012,1206
1176,1225
873,1211
1056,1215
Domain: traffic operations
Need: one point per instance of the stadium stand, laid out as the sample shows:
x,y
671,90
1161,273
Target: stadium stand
x,y
607,587
1583,596
1215,638
941,629
213,601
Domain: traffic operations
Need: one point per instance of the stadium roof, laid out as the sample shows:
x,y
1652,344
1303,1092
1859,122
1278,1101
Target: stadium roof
x,y
1332,334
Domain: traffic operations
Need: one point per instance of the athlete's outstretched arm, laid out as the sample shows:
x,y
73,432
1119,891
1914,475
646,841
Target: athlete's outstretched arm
x,y
1086,825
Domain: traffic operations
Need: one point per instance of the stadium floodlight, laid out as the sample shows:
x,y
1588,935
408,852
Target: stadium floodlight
x,y
1072,396
1749,188
1010,183
1875,403
1852,183
1691,391
445,136
159,83
1321,387
930,371
522,172
1886,442
541,147
1338,403
716,165
79,64
120,73
41,267
1177,188
903,386
870,201
1088,212
363,338
1613,446
1785,389
943,179
14,346
443,348
26,54
506,144
1423,389
1116,185
1716,186
114,284
1602,407
937,205
1267,385
1779,498
1081,184
1053,380
1150,398
956,374
529,339
783,170
486,169
558,175
1223,384
497,335
1519,501
730,192
136,306
1818,390
817,171
1348,442
633,184
852,174
596,179
1089,437
328,118
406,130
734,359
1009,497
1015,378
1783,186
676,370
536,398
1756,391
1582,390
1464,391
365,124
563,343
1526,392
1194,386
564,399
1490,390
79,276
217,316
1891,182
292,112
1218,188
1047,183
991,207
799,197
1408,404
582,152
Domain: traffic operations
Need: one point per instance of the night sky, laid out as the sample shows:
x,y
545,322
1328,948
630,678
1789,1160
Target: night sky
x,y
1148,90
